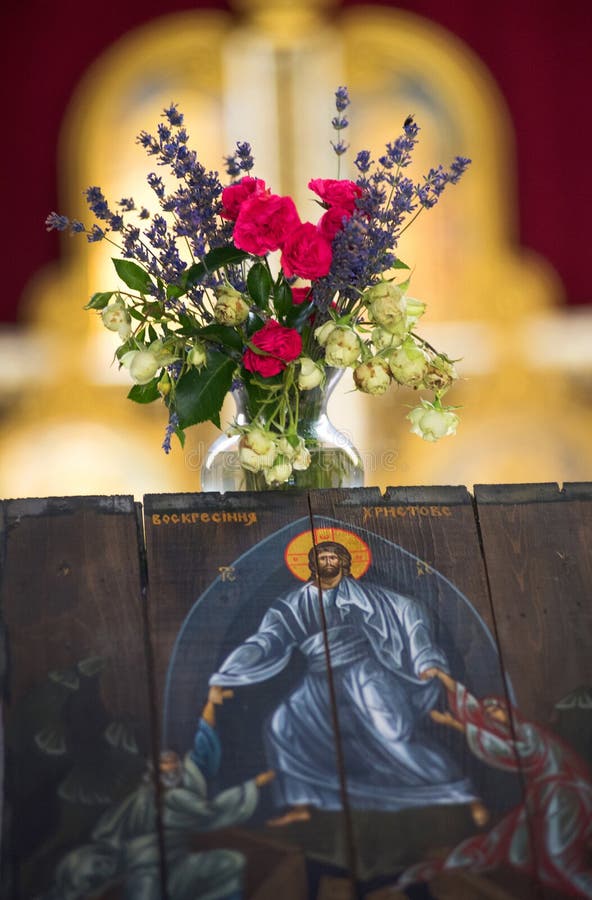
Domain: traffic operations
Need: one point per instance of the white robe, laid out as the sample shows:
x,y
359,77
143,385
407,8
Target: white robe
x,y
379,642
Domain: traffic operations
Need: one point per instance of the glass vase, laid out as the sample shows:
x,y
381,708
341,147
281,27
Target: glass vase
x,y
335,462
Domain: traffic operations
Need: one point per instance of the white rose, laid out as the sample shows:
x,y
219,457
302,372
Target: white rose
x,y
323,331
163,355
311,374
116,318
249,460
231,308
285,448
342,348
301,461
259,441
408,364
372,377
142,364
278,473
432,424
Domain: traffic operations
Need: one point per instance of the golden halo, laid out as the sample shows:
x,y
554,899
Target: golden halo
x,y
296,555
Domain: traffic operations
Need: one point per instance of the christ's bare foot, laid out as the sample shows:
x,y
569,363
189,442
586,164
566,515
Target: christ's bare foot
x,y
296,814
480,813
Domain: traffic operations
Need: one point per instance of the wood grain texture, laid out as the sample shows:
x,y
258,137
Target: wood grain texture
x,y
77,713
537,541
430,551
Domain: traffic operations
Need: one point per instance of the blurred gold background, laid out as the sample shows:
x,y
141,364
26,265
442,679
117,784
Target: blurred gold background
x,y
269,78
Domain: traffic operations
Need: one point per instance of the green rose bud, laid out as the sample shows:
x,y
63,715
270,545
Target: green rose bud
x,y
197,356
440,374
323,331
342,348
430,423
372,377
415,309
311,374
231,308
408,364
387,307
383,339
164,385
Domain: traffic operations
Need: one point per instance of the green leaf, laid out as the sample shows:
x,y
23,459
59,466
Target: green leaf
x,y
282,298
253,323
188,325
99,300
215,259
145,393
259,283
200,393
399,264
134,276
221,334
180,435
299,314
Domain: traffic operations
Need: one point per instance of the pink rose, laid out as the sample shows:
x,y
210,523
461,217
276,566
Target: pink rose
x,y
335,192
333,221
235,195
306,253
283,344
263,223
301,294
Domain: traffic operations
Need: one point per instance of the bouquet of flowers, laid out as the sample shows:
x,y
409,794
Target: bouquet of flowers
x,y
226,286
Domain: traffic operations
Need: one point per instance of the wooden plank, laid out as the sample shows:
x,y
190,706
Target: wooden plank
x,y
77,713
537,541
216,564
422,544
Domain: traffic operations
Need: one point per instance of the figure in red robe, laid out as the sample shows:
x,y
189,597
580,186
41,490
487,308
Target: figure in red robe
x,y
550,835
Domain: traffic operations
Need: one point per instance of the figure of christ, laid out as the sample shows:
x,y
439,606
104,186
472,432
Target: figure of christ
x,y
380,645
550,835
124,844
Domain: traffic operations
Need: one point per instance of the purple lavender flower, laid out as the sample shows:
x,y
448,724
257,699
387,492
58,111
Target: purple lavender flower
x,y
172,426
342,100
97,203
244,156
55,222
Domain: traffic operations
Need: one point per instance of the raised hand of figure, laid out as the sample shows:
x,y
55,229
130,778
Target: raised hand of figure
x,y
264,778
217,694
434,672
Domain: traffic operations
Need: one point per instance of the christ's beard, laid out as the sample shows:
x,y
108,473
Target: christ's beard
x,y
329,571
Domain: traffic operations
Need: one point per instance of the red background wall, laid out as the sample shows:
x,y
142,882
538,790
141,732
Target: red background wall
x,y
539,52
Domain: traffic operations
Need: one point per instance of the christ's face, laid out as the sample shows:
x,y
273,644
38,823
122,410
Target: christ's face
x,y
328,564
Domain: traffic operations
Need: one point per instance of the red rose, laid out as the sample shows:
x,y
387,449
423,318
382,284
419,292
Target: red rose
x,y
301,294
306,252
263,222
235,195
283,344
333,221
334,192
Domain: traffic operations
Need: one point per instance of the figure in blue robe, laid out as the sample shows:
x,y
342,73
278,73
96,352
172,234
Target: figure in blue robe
x,y
124,844
382,653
